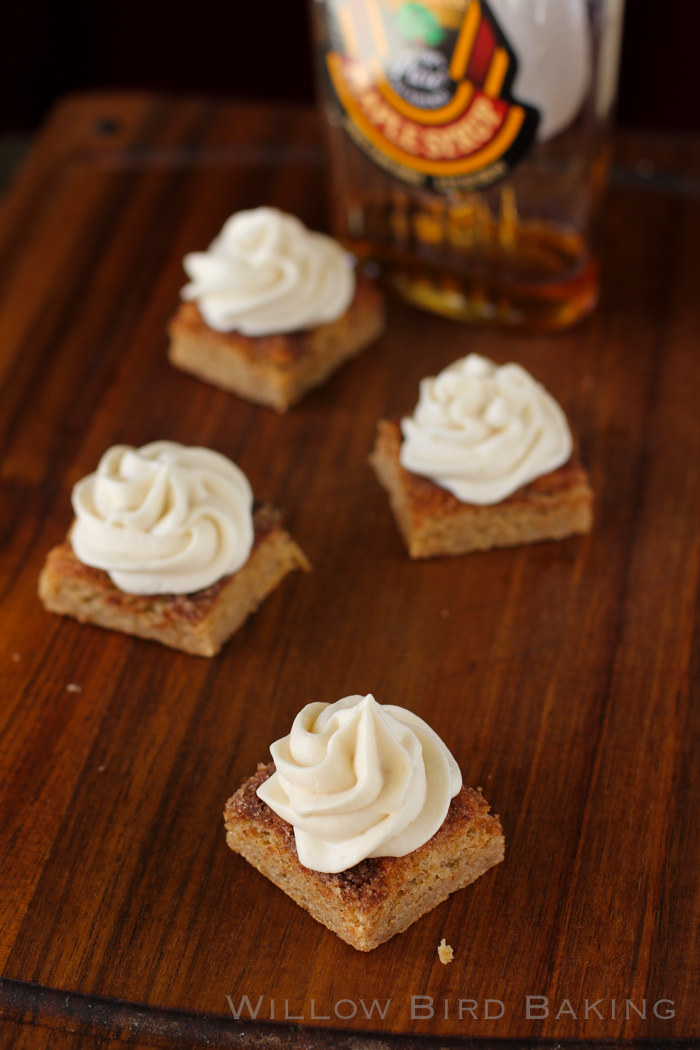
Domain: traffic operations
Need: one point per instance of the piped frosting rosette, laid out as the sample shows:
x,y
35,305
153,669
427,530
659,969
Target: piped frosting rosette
x,y
481,431
266,273
359,779
163,519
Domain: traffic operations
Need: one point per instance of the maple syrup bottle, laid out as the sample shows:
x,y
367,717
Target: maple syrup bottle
x,y
468,148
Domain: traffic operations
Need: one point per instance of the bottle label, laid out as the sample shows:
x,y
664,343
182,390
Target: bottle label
x,y
425,90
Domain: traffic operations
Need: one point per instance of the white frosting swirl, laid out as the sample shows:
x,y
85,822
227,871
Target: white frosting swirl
x,y
482,432
359,779
267,273
163,519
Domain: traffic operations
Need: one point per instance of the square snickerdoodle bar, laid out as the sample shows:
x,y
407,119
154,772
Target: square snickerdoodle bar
x,y
434,522
379,897
197,623
275,370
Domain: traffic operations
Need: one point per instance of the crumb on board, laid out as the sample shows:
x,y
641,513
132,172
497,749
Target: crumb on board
x,y
16,657
73,688
445,952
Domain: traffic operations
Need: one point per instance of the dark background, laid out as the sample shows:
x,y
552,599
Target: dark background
x,y
260,49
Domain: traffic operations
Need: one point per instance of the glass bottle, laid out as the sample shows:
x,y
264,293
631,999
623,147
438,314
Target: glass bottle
x,y
468,148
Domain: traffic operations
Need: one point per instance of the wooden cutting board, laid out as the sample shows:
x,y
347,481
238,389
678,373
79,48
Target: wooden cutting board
x,y
564,676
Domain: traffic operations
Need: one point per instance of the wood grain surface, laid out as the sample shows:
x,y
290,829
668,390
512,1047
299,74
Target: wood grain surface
x,y
564,676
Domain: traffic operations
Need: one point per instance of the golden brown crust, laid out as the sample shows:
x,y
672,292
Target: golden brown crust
x,y
197,623
381,896
434,522
275,370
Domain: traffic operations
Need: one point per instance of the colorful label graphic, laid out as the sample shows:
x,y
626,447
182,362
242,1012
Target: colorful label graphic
x,y
425,90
